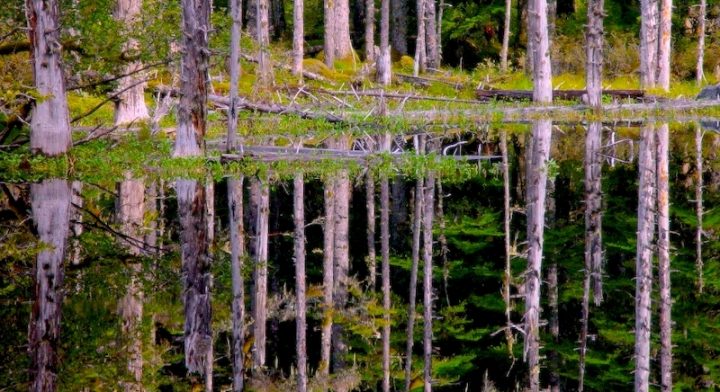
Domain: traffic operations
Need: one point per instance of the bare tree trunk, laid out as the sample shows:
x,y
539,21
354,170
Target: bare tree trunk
x,y
262,28
341,255
370,31
442,239
663,245
385,253
506,37
399,10
299,218
384,62
370,206
76,228
645,235
536,194
538,35
699,207
440,10
594,42
131,105
551,18
699,72
237,254
298,37
260,207
507,220
50,202
664,47
329,32
196,275
50,132
429,205
337,30
648,42
328,279
554,324
192,109
235,29
415,254
420,46
431,41
593,235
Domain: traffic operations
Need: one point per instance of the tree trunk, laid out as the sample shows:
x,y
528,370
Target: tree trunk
x,y
429,205
328,275
370,31
76,228
551,18
237,254
131,103
442,239
262,36
699,72
507,221
415,253
431,41
329,32
299,250
337,30
260,207
554,324
50,202
506,36
536,194
699,207
341,255
196,275
420,45
130,211
645,235
594,52
663,245
538,35
298,37
50,132
384,62
664,47
648,42
399,10
235,29
151,232
194,80
385,253
370,206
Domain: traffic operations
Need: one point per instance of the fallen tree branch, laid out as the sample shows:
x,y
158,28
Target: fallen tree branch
x,y
277,109
378,93
511,95
306,74
425,81
118,77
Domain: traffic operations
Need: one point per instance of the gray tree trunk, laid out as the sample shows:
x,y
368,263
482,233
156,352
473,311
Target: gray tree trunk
x,y
341,255
370,31
235,29
237,254
699,211
699,72
76,228
428,205
384,66
298,37
197,278
554,324
664,47
50,132
194,80
506,36
594,52
299,254
50,201
329,32
538,35
260,207
536,194
385,254
643,280
415,254
262,36
648,42
431,40
507,220
337,30
399,10
130,211
370,207
420,45
131,105
663,245
328,279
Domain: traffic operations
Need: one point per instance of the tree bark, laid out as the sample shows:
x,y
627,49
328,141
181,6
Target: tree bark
x,y
699,72
196,275
648,42
538,35
237,254
385,254
594,42
370,207
507,221
299,253
50,132
337,30
431,39
262,36
645,235
50,201
399,10
429,205
131,103
130,211
699,207
370,31
194,80
328,279
554,324
420,45
663,245
384,62
664,47
298,38
260,207
329,32
506,37
235,29
536,194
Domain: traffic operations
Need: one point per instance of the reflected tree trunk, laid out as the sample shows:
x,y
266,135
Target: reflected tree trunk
x,y
76,227
385,255
699,210
151,231
536,194
594,42
328,275
370,207
341,256
299,253
699,68
645,236
663,246
507,220
442,239
260,211
50,202
237,255
131,101
428,206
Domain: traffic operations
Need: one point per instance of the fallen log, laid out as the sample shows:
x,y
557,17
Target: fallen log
x,y
514,95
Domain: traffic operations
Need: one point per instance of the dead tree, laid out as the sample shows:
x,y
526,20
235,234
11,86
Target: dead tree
x,y
341,255
506,37
300,306
237,254
384,62
538,35
260,211
507,220
428,213
420,45
337,30
663,247
699,72
50,201
431,39
664,47
131,100
235,28
328,278
298,38
370,31
192,108
699,207
262,29
536,194
385,255
645,236
594,42
370,207
648,42
50,132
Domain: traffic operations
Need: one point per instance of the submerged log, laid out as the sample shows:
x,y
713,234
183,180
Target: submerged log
x,y
512,95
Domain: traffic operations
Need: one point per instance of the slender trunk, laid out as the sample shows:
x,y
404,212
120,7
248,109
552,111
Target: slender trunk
x,y
370,206
237,254
151,231
262,28
643,281
699,207
699,72
551,18
328,272
235,29
431,41
440,10
399,10
420,46
299,250
298,37
76,228
50,132
260,206
416,226
538,35
648,42
341,255
506,36
442,239
664,47
329,32
50,202
663,245
343,44
370,31
131,104
384,61
536,194
429,204
594,52
554,324
507,221
385,255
